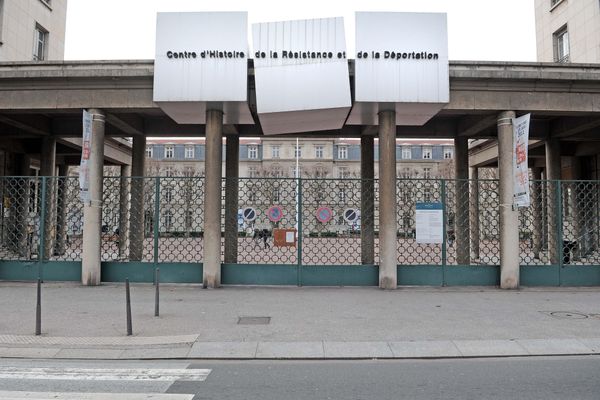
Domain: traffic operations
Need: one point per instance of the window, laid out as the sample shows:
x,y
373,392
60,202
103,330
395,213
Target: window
x,y
253,152
426,153
296,173
189,171
343,172
189,152
169,151
40,43
405,173
168,220
252,172
448,154
168,194
318,151
275,151
169,171
343,152
427,173
297,151
561,45
406,153
149,151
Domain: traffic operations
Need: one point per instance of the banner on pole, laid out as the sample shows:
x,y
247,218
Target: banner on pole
x,y
86,148
520,161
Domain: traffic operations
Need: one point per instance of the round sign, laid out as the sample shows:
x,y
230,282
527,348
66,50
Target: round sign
x,y
275,213
324,214
351,215
249,214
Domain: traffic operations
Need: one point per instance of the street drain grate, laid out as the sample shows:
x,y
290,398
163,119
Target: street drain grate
x,y
567,315
254,320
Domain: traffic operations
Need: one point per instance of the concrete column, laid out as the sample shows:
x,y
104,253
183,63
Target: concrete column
x,y
461,219
509,216
474,212
536,212
92,211
60,246
367,200
388,275
124,201
212,199
136,211
553,172
48,169
232,158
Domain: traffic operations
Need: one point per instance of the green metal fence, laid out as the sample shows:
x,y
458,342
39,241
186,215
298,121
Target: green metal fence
x,y
299,229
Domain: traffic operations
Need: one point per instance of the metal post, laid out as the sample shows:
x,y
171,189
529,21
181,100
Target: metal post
x,y
128,307
156,219
156,293
444,231
299,223
38,309
42,227
559,225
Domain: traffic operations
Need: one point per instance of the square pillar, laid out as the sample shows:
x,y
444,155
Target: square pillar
x,y
136,210
461,219
232,161
367,200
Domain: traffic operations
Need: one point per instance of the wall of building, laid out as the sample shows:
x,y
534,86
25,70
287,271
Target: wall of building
x,y
582,18
18,21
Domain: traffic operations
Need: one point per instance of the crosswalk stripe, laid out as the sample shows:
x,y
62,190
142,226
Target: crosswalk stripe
x,y
105,374
91,396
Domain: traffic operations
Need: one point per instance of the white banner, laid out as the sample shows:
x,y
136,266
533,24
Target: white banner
x,y
86,147
520,163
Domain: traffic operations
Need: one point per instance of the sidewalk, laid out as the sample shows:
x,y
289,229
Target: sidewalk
x,y
305,323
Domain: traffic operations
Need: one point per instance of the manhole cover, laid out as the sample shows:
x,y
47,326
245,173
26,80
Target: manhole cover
x,y
568,315
254,320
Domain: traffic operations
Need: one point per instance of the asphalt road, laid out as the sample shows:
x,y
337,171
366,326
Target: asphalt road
x,y
546,378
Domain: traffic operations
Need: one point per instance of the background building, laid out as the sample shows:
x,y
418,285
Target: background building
x,y
32,30
318,158
568,30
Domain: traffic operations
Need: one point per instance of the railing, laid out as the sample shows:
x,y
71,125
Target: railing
x,y
315,221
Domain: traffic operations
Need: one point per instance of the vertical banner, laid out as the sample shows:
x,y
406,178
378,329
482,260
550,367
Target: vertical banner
x,y
86,146
520,163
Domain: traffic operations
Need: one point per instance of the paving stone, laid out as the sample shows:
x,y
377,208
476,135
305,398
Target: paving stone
x,y
27,352
155,353
111,354
290,350
357,350
424,349
554,346
592,343
486,348
233,350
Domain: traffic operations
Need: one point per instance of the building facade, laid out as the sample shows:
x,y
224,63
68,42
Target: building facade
x,y
32,30
318,158
568,30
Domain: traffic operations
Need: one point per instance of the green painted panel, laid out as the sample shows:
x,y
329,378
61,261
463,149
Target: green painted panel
x,y
51,271
472,275
580,275
340,275
259,274
539,275
144,272
19,271
420,275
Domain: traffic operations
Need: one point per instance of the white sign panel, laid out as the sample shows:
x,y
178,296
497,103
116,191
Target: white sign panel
x,y
86,148
401,60
301,74
430,223
202,57
520,161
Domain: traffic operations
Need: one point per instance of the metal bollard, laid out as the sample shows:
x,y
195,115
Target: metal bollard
x,y
156,294
38,309
128,306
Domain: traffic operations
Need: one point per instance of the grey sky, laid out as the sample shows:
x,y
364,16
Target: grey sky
x,y
125,29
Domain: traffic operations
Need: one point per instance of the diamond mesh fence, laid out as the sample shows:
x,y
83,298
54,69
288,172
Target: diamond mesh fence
x,y
162,220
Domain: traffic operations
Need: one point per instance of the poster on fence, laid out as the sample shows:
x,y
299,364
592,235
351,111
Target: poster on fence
x,y
86,147
520,162
430,223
